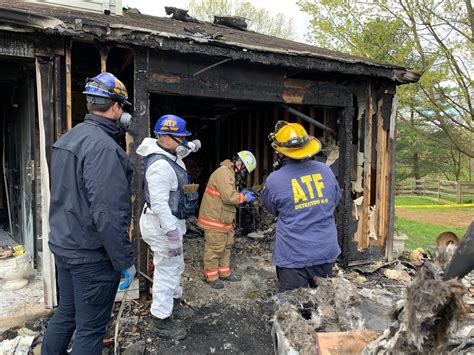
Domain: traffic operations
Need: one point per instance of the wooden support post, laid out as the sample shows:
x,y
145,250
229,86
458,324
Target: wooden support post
x,y
344,210
382,182
300,109
364,240
68,44
228,129
275,120
58,99
235,136
139,129
386,191
458,192
43,71
258,169
218,146
439,189
391,147
286,116
104,53
325,122
266,143
379,169
312,114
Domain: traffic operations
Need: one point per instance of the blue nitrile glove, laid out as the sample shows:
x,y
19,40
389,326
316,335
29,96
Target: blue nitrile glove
x,y
175,243
250,196
128,275
245,191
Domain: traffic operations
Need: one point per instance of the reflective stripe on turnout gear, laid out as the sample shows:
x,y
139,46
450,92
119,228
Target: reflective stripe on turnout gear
x,y
210,273
224,269
213,192
241,198
214,224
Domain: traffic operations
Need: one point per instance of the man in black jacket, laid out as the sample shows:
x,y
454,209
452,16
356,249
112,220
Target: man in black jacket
x,y
89,220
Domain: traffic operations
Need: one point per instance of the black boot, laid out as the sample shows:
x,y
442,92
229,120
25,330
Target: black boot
x,y
181,311
168,328
217,284
232,278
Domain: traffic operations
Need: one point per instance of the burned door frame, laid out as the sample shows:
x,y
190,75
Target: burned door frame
x,y
376,104
42,51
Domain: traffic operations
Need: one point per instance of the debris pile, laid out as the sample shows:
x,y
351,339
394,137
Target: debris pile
x,y
430,313
350,308
348,303
333,306
23,340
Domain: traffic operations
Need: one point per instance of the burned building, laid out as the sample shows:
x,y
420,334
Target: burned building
x,y
231,85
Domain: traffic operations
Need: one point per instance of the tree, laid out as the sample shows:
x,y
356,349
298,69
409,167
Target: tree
x,y
259,20
418,158
434,37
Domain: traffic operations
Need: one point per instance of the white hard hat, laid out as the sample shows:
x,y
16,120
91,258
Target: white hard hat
x,y
248,159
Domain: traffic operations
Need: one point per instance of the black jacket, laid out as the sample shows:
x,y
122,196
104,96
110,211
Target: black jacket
x,y
90,207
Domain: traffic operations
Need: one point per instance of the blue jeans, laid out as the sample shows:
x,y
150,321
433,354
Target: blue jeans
x,y
87,293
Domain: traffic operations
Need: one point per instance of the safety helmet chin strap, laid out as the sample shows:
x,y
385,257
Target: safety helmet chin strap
x,y
183,143
242,168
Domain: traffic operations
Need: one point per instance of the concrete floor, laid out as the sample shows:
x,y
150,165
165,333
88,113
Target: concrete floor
x,y
21,305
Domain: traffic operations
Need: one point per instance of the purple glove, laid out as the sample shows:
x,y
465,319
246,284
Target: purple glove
x,y
175,243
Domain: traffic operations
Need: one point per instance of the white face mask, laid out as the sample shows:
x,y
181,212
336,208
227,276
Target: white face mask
x,y
182,151
125,120
186,148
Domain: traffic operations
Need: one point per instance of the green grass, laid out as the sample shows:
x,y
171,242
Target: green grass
x,y
466,199
421,234
414,200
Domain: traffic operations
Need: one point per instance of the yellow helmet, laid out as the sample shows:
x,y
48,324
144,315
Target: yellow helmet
x,y
292,140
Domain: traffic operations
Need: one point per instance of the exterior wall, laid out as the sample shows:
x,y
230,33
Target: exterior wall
x,y
98,6
364,110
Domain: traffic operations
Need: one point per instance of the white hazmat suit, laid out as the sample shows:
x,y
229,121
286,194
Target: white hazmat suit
x,y
155,222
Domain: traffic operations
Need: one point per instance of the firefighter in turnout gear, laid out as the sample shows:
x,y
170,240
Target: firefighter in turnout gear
x,y
302,194
163,220
217,216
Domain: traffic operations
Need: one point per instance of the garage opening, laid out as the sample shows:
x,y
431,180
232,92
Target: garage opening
x,y
227,126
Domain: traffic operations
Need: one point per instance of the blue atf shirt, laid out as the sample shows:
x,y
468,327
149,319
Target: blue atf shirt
x,y
303,195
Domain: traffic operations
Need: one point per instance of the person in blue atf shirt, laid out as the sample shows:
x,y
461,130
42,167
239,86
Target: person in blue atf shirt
x,y
89,218
302,194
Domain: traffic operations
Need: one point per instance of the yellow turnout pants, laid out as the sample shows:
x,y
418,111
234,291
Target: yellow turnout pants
x,y
217,253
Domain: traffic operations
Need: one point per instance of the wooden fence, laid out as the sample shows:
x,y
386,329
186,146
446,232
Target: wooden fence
x,y
456,191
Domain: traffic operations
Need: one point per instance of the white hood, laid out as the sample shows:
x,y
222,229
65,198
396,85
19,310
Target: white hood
x,y
148,146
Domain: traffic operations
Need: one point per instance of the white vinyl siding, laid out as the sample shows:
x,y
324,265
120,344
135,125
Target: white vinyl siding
x,y
98,6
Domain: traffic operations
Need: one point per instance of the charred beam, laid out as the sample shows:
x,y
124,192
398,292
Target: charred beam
x,y
307,118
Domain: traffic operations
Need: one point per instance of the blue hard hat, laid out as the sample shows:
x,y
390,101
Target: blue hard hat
x,y
108,86
172,125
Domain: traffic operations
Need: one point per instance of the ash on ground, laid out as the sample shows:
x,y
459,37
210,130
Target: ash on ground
x,y
238,318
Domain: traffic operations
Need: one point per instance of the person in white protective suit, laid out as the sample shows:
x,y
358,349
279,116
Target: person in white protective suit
x,y
163,220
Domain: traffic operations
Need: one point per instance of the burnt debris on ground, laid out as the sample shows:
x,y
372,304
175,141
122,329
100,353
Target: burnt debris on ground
x,y
245,316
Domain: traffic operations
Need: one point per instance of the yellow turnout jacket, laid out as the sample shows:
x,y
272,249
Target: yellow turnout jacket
x,y
217,210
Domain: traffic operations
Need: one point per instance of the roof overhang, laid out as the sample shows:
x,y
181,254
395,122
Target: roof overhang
x,y
88,29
